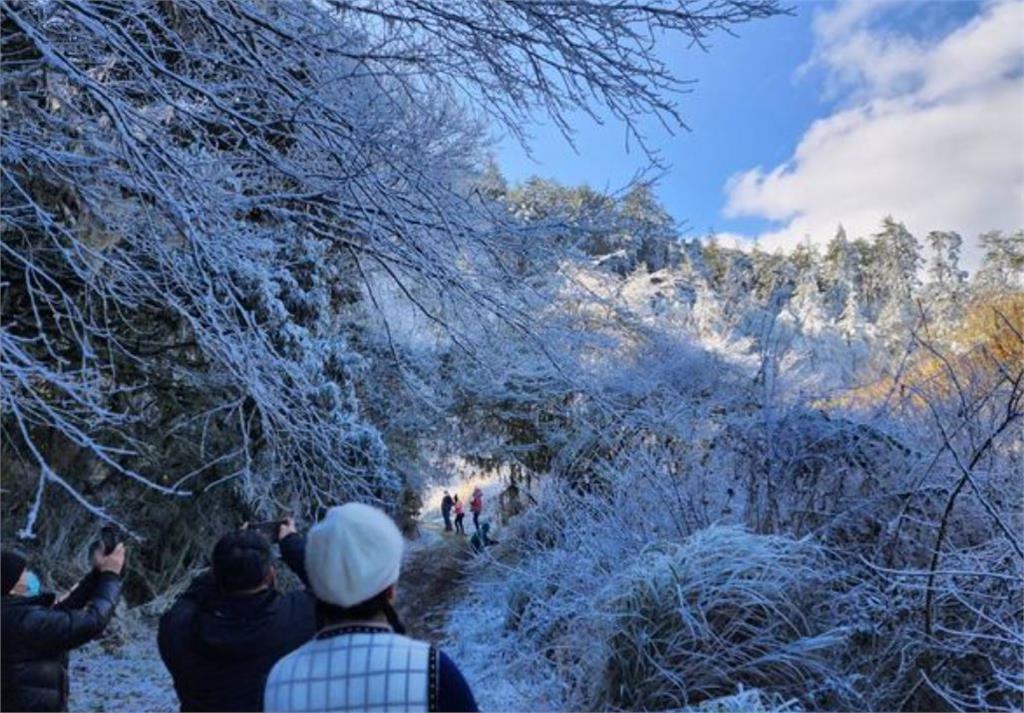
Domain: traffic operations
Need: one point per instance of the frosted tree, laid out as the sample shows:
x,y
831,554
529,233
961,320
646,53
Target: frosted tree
x,y
897,261
946,291
1002,266
707,312
807,302
194,192
839,271
650,226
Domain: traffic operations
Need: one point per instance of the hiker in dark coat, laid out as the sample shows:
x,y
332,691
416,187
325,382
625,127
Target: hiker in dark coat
x,y
446,511
224,634
481,538
38,631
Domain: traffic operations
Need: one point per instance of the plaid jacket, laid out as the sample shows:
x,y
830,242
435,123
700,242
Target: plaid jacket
x,y
355,669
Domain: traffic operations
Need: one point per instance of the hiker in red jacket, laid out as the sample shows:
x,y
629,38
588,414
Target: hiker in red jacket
x,y
476,506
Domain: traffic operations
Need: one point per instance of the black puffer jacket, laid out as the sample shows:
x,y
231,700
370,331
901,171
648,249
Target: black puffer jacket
x,y
219,648
37,635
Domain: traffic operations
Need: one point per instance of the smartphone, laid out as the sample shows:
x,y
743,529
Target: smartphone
x,y
269,528
110,536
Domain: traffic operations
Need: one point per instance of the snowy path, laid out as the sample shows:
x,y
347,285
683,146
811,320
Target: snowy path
x,y
430,582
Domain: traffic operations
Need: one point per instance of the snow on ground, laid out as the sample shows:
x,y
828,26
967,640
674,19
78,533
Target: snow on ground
x,y
473,624
476,626
129,677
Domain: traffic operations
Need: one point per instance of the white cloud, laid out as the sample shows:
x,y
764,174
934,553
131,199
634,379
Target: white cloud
x,y
932,132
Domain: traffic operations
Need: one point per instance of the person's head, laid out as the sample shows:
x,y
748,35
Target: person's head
x,y
353,559
16,577
485,528
456,497
242,562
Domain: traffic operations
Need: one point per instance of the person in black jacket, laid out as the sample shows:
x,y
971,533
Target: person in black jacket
x,y
222,636
39,631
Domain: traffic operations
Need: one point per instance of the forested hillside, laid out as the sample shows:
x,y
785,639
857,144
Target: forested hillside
x,y
789,481
257,257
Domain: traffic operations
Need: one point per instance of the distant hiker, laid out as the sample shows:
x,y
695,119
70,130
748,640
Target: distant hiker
x,y
359,659
509,503
446,511
481,538
222,636
476,506
38,631
459,515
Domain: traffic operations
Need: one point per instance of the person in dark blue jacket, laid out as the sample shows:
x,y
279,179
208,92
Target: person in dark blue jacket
x,y
446,510
222,636
482,538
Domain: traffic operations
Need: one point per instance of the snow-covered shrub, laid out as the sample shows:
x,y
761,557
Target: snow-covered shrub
x,y
723,610
749,701
670,625
912,607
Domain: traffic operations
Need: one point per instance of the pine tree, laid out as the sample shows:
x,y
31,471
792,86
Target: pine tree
x,y
491,182
1002,267
650,226
807,303
706,316
840,273
898,260
946,290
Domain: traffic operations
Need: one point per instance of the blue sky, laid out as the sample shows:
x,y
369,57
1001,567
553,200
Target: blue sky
x,y
864,72
746,109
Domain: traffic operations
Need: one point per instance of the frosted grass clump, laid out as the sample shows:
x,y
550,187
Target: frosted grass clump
x,y
749,701
722,611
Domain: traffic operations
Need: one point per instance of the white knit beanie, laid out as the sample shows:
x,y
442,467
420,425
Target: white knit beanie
x,y
353,554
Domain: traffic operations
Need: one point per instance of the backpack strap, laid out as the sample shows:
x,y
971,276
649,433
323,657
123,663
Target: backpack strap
x,y
433,679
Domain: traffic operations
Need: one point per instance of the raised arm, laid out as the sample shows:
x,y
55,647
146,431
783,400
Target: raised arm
x,y
81,594
60,629
293,549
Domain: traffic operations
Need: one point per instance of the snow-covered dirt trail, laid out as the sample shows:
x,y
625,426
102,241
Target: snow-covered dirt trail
x,y
431,580
433,577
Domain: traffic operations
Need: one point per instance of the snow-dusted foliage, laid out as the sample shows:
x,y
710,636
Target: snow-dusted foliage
x,y
605,594
205,205
254,259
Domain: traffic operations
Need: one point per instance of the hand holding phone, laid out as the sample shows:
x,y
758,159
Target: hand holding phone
x,y
108,551
274,530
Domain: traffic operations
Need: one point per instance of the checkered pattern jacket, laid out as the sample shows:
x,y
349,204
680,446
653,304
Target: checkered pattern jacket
x,y
355,669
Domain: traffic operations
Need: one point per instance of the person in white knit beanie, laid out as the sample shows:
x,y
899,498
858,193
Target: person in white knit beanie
x,y
360,658
353,554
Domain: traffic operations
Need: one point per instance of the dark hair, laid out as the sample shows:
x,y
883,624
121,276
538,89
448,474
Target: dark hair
x,y
241,561
11,567
372,607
